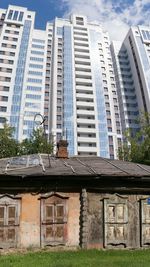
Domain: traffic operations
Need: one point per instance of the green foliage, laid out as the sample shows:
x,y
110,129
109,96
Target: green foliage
x,y
137,148
37,143
8,146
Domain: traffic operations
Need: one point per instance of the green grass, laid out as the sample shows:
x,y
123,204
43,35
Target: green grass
x,y
89,258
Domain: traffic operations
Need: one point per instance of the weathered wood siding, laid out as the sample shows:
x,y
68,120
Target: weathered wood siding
x,y
116,220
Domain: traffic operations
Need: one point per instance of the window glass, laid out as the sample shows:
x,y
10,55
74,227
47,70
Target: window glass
x,y
21,16
15,15
10,14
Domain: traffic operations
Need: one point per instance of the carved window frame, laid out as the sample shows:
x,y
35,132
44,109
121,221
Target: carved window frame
x,y
9,220
115,225
54,227
145,222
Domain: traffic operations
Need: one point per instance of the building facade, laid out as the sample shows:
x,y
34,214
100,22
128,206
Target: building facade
x,y
22,70
132,67
64,73
85,105
70,202
88,90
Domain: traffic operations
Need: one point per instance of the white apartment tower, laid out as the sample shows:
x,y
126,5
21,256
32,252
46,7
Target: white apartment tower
x,y
84,103
132,74
22,70
126,90
64,73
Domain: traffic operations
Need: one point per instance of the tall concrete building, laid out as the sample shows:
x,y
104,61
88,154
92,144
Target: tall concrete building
x,y
88,90
84,103
132,74
22,69
64,73
126,90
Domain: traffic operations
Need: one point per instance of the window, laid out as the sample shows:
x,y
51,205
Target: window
x,y
37,73
38,41
110,139
37,52
104,81
3,109
108,112
4,88
108,121
33,96
9,221
34,80
15,15
20,16
4,98
2,120
38,46
12,54
107,104
59,117
116,222
5,38
36,66
37,59
116,115
10,14
11,62
145,222
59,30
59,100
53,219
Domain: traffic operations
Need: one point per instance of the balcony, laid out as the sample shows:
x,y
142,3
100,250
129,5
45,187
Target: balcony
x,y
86,139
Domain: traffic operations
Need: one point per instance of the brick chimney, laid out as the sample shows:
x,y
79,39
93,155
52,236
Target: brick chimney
x,y
62,149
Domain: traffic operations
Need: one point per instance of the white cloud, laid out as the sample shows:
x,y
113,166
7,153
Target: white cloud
x,y
116,16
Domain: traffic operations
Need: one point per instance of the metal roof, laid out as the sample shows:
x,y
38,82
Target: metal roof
x,y
45,165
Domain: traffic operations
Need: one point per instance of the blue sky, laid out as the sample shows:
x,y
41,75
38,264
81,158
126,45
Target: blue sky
x,y
114,15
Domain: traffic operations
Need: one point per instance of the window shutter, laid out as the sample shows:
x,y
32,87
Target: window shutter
x,y
11,215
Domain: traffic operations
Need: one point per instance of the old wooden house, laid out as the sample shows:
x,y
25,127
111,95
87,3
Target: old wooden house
x,y
90,202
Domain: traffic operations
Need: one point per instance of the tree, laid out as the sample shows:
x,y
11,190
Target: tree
x,y
8,145
37,143
137,148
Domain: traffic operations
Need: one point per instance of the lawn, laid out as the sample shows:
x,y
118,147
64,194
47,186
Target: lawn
x,y
82,258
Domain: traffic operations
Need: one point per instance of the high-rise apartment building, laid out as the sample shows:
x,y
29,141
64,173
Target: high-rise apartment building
x,y
84,102
88,90
132,74
126,90
22,69
64,73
